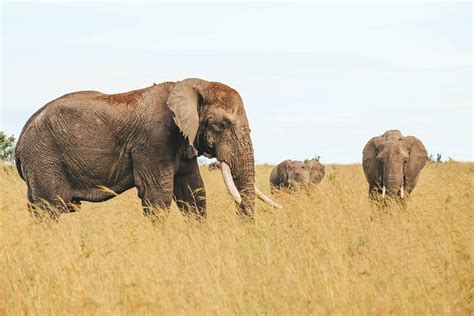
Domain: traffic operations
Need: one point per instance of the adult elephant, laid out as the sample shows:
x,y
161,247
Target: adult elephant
x,y
292,173
78,144
392,164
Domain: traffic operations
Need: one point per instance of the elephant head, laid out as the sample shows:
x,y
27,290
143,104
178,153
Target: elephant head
x,y
293,173
212,118
392,163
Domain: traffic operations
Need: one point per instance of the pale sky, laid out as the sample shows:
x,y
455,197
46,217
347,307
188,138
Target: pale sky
x,y
316,79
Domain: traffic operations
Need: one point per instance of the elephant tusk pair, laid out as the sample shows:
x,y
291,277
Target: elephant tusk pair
x,y
402,192
229,183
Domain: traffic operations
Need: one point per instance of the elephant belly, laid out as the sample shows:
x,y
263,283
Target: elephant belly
x,y
99,194
99,177
98,191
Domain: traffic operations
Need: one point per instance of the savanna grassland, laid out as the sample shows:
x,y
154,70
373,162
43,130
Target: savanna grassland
x,y
327,251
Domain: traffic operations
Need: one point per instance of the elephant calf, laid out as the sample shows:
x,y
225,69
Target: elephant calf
x,y
392,164
292,173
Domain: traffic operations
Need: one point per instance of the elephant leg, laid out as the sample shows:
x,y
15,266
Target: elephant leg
x,y
375,196
273,189
74,206
373,193
155,187
188,190
40,211
50,200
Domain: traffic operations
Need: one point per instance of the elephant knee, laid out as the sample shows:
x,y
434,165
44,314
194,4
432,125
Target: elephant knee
x,y
42,210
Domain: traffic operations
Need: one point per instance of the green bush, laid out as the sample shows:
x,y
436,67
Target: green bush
x,y
317,158
7,147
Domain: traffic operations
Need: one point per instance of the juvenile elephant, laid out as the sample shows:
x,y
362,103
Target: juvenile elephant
x,y
76,145
291,173
392,164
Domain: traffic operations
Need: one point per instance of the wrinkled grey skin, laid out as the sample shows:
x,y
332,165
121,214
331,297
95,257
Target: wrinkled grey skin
x,y
147,138
292,173
393,161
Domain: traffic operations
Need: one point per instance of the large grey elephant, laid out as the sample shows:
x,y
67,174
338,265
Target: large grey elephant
x,y
292,173
392,164
76,145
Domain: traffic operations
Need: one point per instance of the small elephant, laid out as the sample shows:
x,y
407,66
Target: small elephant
x,y
89,146
392,164
292,173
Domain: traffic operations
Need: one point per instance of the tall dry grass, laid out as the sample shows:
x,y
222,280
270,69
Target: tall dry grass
x,y
328,251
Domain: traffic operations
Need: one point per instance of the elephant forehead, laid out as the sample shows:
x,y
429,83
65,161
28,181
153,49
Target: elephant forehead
x,y
297,164
394,148
217,113
225,98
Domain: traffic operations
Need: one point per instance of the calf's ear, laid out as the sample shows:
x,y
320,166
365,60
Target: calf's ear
x,y
282,171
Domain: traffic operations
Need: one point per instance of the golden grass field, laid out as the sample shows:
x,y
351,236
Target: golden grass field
x,y
327,251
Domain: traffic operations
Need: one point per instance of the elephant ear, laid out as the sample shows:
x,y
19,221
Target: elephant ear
x,y
183,101
318,171
416,162
369,161
282,171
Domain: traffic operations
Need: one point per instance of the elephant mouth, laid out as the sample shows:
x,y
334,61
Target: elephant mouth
x,y
399,193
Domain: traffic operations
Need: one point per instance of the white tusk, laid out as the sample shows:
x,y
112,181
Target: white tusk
x,y
383,192
229,182
402,193
266,199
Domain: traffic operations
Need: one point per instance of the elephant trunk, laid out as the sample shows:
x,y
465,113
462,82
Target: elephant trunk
x,y
393,184
238,171
245,180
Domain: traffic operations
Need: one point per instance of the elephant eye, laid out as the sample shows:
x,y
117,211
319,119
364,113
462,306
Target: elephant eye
x,y
224,124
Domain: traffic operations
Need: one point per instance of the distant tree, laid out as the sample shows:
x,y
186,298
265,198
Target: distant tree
x,y
317,158
7,146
